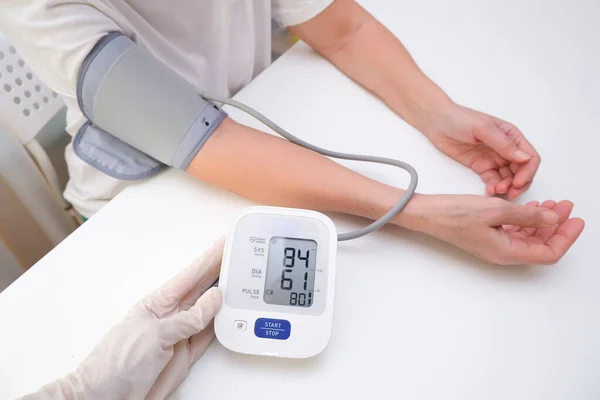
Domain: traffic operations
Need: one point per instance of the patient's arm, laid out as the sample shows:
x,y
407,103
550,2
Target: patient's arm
x,y
271,170
274,171
366,51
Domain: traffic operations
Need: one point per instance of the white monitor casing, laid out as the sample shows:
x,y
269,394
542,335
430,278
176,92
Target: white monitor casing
x,y
244,317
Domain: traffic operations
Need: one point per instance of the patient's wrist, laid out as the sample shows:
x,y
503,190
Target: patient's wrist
x,y
421,103
415,215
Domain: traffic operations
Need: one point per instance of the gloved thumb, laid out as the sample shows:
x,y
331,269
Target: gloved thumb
x,y
503,144
185,324
525,216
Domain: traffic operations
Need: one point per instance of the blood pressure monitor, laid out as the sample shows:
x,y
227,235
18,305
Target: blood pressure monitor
x,y
277,280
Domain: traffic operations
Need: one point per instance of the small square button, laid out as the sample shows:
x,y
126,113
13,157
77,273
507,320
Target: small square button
x,y
239,325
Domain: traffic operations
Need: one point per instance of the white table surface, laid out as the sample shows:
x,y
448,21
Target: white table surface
x,y
415,318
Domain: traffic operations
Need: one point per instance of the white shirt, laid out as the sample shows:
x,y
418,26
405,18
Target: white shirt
x,y
217,45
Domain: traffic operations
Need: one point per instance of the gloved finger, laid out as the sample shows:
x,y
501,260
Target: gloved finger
x,y
522,215
200,342
189,284
172,374
186,280
211,275
185,324
503,144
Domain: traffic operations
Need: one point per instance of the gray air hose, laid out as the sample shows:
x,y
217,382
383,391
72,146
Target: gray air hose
x,y
387,217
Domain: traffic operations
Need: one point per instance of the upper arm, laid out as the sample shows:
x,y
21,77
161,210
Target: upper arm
x,y
331,29
54,36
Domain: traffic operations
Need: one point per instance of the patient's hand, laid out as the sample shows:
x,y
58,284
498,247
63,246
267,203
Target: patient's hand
x,y
493,148
499,231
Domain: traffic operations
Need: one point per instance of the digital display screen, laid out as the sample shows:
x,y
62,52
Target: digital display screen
x,y
291,267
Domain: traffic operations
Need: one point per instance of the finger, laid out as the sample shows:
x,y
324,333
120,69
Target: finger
x,y
563,209
505,172
500,161
504,184
487,159
513,192
556,247
514,228
566,234
514,167
522,215
491,179
167,381
548,204
190,299
527,170
189,284
211,275
191,276
511,228
185,324
503,144
200,342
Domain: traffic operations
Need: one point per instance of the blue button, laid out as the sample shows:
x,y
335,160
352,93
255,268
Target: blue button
x,y
272,328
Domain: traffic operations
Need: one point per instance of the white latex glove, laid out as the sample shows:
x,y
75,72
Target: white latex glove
x,y
149,353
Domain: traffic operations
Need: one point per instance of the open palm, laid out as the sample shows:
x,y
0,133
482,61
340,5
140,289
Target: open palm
x,y
546,244
502,232
493,148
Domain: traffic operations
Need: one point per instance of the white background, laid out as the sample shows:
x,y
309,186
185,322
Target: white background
x,y
415,318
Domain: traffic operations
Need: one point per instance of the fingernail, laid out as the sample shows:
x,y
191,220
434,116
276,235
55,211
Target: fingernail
x,y
550,217
521,155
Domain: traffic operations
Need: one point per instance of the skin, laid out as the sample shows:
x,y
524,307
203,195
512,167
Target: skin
x,y
362,48
492,229
367,52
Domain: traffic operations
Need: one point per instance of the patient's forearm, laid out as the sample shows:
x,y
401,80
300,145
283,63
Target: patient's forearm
x,y
366,51
274,171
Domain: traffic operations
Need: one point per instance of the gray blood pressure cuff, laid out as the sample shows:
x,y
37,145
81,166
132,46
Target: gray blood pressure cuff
x,y
142,116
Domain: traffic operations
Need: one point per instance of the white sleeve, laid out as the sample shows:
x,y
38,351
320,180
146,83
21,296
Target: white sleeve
x,y
295,12
54,36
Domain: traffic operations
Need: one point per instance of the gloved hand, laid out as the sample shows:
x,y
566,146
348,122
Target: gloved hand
x,y
149,353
